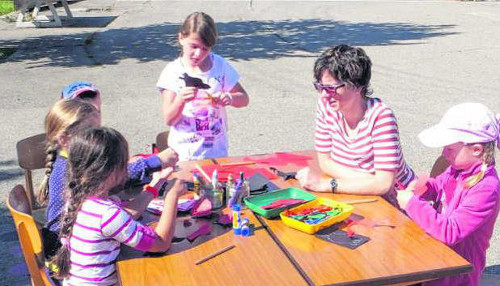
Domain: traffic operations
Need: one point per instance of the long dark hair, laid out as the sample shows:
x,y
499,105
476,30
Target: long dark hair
x,y
95,155
202,25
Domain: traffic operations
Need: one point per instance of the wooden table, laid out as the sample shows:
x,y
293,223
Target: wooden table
x,y
256,260
284,256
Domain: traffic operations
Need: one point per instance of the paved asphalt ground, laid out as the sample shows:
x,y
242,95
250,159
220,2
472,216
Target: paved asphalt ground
x,y
427,55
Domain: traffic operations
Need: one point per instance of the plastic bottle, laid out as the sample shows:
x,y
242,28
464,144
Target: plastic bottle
x,y
245,227
236,219
196,183
229,189
216,195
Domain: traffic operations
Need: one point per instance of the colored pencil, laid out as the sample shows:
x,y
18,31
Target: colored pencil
x,y
237,163
203,173
215,254
359,201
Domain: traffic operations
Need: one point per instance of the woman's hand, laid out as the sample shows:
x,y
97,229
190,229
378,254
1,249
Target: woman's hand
x,y
223,98
313,180
168,158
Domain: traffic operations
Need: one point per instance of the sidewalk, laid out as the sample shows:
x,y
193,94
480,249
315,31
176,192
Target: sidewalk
x,y
427,56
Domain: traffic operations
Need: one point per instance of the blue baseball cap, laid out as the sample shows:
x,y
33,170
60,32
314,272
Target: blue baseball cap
x,y
76,88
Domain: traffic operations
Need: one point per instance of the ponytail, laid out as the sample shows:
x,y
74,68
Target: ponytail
x,y
488,160
73,205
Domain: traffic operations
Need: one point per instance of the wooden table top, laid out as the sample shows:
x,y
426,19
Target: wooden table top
x,y
255,260
279,255
393,255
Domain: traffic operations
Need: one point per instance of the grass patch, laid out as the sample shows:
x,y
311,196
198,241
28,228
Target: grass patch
x,y
6,7
5,53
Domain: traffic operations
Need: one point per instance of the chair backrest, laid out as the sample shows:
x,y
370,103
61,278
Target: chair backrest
x,y
20,209
162,140
31,156
440,165
29,236
38,272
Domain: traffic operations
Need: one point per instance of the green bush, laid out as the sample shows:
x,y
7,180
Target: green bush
x,y
6,7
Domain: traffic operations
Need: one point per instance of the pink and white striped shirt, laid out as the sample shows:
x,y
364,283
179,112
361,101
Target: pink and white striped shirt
x,y
100,227
375,146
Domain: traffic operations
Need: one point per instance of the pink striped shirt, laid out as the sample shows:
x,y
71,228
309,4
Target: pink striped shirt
x,y
101,225
375,147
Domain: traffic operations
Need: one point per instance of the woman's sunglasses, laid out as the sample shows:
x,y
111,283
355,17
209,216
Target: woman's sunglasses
x,y
328,88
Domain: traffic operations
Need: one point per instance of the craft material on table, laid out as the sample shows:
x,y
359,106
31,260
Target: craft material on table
x,y
204,229
260,184
244,163
200,169
342,238
282,203
313,216
358,201
215,254
285,175
202,207
255,202
225,171
281,159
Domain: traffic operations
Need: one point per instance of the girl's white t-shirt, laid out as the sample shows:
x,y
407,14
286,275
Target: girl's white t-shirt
x,y
201,132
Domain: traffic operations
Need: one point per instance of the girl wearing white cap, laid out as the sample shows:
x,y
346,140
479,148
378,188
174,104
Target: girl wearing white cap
x,y
460,206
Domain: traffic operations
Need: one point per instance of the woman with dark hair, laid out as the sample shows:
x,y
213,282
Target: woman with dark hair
x,y
356,137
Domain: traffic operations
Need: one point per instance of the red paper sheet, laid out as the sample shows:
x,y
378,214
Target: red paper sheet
x,y
224,172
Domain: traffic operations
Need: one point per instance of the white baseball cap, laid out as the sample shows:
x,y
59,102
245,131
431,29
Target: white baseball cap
x,y
466,123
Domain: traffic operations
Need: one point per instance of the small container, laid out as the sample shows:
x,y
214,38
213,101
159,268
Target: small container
x,y
236,219
312,228
196,183
245,227
229,190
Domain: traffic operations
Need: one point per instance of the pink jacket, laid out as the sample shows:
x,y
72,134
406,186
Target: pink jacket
x,y
462,218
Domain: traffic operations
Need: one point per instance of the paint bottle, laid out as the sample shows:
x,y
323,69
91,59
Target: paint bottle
x,y
229,190
196,183
216,194
236,219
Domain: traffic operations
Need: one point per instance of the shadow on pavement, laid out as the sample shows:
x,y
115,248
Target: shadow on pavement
x,y
239,40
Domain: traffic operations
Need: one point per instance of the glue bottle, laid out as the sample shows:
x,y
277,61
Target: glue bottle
x,y
236,219
245,227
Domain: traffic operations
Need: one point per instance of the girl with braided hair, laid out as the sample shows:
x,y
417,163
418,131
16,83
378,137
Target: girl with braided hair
x,y
66,118
93,226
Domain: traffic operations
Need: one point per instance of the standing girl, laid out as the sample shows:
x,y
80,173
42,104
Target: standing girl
x,y
93,226
460,206
196,88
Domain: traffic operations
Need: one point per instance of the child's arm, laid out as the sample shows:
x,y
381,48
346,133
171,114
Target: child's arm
x,y
236,97
166,226
173,103
478,204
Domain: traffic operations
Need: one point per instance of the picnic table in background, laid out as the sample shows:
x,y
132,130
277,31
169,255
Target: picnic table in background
x,y
279,255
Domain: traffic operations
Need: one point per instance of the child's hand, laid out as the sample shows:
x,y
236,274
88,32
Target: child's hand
x,y
223,98
178,189
168,158
160,177
187,94
404,197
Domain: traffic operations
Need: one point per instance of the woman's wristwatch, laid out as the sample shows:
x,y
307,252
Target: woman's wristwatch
x,y
333,185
